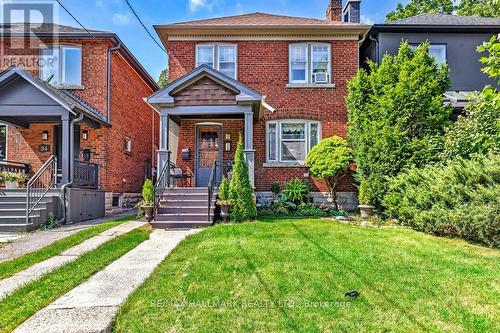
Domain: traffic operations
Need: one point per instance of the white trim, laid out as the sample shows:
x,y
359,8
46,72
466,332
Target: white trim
x,y
215,55
290,75
60,47
218,38
6,141
309,66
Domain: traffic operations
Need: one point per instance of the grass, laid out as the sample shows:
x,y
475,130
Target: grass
x,y
291,276
11,267
34,296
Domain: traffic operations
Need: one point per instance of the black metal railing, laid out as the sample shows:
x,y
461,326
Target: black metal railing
x,y
211,187
164,181
40,184
85,174
17,167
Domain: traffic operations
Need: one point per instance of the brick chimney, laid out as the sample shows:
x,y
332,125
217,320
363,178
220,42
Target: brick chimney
x,y
334,11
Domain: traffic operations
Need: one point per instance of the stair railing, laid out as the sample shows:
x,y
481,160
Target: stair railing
x,y
211,187
40,184
163,182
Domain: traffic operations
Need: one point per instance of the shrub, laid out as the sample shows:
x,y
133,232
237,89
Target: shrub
x,y
276,188
240,190
148,193
329,160
458,199
297,191
16,177
396,117
224,192
310,210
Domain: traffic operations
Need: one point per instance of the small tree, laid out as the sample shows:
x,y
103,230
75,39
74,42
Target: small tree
x,y
163,79
240,190
224,192
329,160
148,193
417,7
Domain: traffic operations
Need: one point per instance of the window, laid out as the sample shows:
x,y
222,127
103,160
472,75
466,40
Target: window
x,y
127,145
437,51
291,140
310,63
62,65
221,57
3,142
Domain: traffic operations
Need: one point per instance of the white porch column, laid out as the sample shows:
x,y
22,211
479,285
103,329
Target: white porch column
x,y
249,151
164,144
65,149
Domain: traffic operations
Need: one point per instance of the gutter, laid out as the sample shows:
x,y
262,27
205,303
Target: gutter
x,y
375,40
108,92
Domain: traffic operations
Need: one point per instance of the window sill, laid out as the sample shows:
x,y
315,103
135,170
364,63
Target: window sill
x,y
310,85
285,165
69,87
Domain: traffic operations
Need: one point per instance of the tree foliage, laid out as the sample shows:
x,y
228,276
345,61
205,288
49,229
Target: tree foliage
x,y
148,192
417,7
329,160
163,79
240,190
484,8
396,117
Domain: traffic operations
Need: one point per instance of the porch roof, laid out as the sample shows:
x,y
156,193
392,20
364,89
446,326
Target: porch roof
x,y
243,94
35,99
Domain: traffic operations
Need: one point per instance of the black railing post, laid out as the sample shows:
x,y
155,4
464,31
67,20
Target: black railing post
x,y
168,168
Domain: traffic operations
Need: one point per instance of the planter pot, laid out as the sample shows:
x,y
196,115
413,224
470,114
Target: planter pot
x,y
366,210
148,213
11,184
224,213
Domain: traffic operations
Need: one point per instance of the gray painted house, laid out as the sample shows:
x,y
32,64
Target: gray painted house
x,y
453,39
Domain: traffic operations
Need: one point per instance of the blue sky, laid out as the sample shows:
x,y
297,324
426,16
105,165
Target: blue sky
x,y
114,15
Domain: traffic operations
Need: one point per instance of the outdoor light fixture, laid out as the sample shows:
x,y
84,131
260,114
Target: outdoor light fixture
x,y
228,146
85,135
45,135
228,136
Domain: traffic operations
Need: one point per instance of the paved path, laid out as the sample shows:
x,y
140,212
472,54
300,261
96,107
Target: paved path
x,y
9,285
33,241
92,306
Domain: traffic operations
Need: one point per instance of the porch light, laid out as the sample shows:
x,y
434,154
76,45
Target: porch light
x,y
85,135
45,135
228,136
228,146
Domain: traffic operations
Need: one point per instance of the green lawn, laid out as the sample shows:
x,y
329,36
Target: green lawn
x,y
24,302
11,267
291,276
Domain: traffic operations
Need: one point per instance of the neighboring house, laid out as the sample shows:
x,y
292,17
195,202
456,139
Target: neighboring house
x,y
453,40
74,109
279,82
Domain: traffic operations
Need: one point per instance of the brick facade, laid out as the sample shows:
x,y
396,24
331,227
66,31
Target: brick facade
x,y
131,117
263,66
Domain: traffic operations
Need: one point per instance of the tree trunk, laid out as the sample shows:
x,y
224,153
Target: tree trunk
x,y
332,183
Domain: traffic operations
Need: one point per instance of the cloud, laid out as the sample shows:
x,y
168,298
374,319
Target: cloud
x,y
195,5
367,20
121,19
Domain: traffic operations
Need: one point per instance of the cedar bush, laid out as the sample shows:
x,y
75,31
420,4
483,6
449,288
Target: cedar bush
x,y
224,192
396,117
240,190
148,192
457,199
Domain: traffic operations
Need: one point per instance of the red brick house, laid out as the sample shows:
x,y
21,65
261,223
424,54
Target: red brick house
x,y
278,81
72,108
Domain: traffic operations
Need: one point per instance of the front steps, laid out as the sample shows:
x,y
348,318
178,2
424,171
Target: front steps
x,y
185,207
13,210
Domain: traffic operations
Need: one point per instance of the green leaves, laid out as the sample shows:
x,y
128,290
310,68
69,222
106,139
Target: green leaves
x,y
417,7
297,191
148,192
240,190
484,8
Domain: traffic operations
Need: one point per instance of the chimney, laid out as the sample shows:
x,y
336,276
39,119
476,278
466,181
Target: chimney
x,y
352,11
334,11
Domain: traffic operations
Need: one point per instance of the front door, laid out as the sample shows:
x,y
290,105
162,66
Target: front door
x,y
208,150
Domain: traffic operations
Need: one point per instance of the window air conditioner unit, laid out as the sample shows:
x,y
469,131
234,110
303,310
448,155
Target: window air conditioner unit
x,y
320,78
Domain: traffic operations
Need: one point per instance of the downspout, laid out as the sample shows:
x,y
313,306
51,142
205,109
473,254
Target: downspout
x,y
108,92
71,165
375,40
360,43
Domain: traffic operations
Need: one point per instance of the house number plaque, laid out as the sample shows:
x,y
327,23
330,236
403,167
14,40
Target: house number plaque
x,y
44,148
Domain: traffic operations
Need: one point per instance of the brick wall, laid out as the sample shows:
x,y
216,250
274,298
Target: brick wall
x,y
263,66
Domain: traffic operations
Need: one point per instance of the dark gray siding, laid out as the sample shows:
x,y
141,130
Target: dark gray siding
x,y
463,59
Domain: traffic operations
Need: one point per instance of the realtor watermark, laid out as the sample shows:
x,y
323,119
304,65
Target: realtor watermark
x,y
26,29
247,304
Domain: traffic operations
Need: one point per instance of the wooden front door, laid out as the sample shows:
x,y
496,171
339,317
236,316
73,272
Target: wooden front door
x,y
208,150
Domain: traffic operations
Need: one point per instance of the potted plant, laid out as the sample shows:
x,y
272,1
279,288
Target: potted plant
x,y
147,202
13,179
223,200
365,209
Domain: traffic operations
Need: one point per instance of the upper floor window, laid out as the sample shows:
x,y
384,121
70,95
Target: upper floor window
x,y
219,56
61,65
291,140
437,51
310,63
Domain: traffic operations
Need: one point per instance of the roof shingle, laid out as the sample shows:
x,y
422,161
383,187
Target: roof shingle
x,y
46,28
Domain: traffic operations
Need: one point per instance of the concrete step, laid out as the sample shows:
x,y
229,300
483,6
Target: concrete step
x,y
185,203
183,217
21,204
6,212
179,224
183,210
184,196
198,190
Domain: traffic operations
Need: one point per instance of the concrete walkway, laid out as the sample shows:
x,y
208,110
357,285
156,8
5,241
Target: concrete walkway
x,y
92,306
9,285
21,243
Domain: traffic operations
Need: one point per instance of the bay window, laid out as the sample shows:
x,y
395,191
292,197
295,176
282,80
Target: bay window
x,y
222,57
61,65
310,63
291,140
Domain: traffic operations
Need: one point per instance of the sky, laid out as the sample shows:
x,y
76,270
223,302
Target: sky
x,y
115,16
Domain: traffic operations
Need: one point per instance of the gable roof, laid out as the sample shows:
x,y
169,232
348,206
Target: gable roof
x,y
165,96
64,97
45,28
449,20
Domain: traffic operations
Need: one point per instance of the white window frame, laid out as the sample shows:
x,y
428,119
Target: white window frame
x,y
414,46
278,139
128,145
215,50
6,141
60,71
309,59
